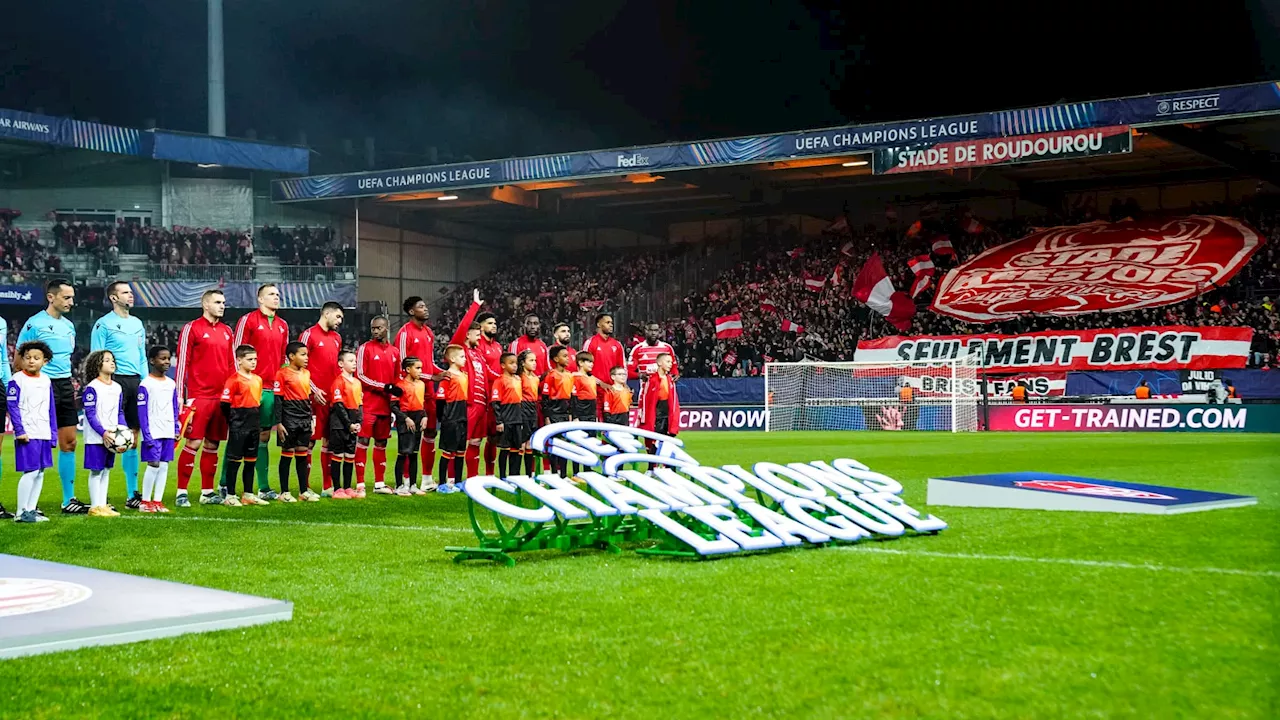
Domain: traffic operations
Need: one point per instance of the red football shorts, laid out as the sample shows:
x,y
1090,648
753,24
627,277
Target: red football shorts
x,y
377,427
207,422
481,422
322,420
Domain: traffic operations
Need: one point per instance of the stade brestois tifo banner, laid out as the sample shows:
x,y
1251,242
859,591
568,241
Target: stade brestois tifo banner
x,y
1098,267
689,509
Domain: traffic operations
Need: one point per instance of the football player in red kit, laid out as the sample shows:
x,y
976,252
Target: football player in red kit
x,y
268,334
415,339
480,420
531,340
323,345
377,368
206,358
491,352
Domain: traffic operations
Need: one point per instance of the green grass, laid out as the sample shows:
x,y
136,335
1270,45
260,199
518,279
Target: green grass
x,y
1001,615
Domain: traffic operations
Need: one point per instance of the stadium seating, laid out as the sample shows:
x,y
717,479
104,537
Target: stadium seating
x,y
24,256
833,321
557,287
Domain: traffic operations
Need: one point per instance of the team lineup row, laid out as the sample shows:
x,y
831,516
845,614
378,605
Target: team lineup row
x,y
241,387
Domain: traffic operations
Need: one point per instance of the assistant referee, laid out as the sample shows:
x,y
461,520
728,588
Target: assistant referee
x,y
123,335
52,328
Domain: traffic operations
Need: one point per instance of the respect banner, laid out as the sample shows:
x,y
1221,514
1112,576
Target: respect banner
x,y
1098,267
1173,347
1002,151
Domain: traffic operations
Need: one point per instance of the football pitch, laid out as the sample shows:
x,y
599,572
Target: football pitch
x,y
1008,613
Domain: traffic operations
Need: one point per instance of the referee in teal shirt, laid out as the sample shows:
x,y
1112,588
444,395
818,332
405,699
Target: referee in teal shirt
x,y
52,328
123,335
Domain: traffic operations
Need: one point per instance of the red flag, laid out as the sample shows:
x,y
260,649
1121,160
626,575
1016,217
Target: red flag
x,y
731,358
921,264
767,305
914,229
972,226
729,326
942,246
921,283
814,283
837,276
847,249
788,326
795,253
874,289
840,225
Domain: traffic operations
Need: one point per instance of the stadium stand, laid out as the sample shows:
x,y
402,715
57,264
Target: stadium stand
x,y
786,318
558,287
771,288
23,255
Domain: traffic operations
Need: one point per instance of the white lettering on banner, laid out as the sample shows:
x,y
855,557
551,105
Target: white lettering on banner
x,y
843,139
1128,418
633,160
1098,267
1161,348
27,125
426,178
798,503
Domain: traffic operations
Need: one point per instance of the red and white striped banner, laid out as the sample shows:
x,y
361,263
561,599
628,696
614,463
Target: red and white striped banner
x,y
1174,347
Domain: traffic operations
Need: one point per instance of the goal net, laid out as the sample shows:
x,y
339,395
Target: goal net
x,y
944,395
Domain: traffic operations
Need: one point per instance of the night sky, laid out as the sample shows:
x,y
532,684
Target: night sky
x,y
497,78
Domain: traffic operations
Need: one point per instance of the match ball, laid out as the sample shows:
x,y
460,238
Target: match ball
x,y
118,440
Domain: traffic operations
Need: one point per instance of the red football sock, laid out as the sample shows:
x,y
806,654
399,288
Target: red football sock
x,y
490,456
208,468
186,466
379,464
362,456
428,455
473,460
326,473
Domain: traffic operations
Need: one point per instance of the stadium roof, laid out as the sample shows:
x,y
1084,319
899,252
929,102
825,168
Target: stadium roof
x,y
1201,135
24,133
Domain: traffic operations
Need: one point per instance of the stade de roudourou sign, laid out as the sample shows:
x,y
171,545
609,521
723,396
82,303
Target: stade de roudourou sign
x,y
691,509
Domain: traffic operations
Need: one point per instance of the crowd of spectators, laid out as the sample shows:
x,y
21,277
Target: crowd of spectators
x,y
557,287
769,291
22,254
307,246
180,253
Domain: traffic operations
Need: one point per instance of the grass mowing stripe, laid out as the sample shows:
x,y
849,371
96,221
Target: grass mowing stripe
x,y
1109,564
311,523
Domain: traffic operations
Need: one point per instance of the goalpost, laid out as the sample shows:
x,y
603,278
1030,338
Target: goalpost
x,y
945,395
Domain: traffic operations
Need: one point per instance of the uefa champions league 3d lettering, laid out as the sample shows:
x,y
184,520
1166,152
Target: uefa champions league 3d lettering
x,y
694,510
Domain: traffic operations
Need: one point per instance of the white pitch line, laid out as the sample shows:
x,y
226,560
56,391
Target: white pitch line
x,y
305,523
862,548
1109,564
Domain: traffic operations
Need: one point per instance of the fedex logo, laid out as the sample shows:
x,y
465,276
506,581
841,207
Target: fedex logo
x,y
1085,488
633,160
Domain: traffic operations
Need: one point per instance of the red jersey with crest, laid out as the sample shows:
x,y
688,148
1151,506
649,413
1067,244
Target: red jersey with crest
x,y
377,365
269,336
322,355
537,347
644,359
419,342
608,354
206,358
